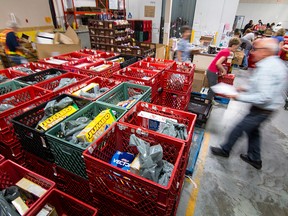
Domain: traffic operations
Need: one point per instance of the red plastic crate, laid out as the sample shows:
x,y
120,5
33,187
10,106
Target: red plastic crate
x,y
54,65
73,56
64,205
115,66
75,66
136,193
33,66
73,185
186,118
159,61
140,77
175,99
10,74
2,158
149,66
227,78
22,100
52,83
103,82
179,79
91,52
39,165
13,151
11,173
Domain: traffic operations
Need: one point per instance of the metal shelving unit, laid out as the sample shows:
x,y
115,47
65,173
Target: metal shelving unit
x,y
104,4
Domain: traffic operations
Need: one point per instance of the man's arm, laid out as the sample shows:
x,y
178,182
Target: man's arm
x,y
263,91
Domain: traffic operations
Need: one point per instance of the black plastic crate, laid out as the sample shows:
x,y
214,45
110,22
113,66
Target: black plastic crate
x,y
33,140
200,106
40,76
128,60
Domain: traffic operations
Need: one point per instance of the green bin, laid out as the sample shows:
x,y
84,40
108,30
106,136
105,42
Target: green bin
x,y
10,86
124,91
68,155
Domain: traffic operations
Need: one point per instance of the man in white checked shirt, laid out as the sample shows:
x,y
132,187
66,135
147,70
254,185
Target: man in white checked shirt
x,y
265,93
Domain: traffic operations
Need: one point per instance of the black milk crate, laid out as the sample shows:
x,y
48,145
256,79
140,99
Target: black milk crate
x,y
200,106
39,76
33,140
128,60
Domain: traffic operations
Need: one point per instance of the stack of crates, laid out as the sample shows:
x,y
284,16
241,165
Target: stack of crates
x,y
143,30
178,85
120,192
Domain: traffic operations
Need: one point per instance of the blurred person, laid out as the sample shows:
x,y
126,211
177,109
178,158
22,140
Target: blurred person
x,y
279,36
11,43
272,26
250,36
184,47
277,27
115,16
257,26
248,26
216,67
265,96
246,45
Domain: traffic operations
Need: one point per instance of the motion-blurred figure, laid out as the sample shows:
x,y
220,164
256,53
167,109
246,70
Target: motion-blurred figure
x,y
265,93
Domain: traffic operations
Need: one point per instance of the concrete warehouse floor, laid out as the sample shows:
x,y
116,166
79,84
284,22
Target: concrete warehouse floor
x,y
230,186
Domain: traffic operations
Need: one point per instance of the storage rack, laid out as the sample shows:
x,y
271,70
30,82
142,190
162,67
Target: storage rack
x,y
102,7
105,34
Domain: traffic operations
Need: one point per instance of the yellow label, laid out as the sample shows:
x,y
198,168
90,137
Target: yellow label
x,y
57,117
97,126
86,88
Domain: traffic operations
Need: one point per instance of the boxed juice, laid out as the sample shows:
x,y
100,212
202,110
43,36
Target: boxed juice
x,y
153,121
57,117
97,126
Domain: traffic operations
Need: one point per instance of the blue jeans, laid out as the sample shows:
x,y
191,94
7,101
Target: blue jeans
x,y
245,59
18,59
250,124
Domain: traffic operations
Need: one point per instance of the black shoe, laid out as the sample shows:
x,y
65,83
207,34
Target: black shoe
x,y
256,164
219,152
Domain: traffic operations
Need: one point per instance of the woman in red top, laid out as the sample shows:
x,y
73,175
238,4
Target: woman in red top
x,y
216,66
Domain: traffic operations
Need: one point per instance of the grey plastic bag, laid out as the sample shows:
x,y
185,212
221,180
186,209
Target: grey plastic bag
x,y
53,106
175,129
4,107
166,173
65,82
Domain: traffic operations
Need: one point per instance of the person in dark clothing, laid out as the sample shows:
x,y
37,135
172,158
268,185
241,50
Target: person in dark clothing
x,y
12,48
248,26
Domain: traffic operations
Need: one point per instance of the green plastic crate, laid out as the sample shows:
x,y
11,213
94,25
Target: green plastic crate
x,y
10,86
68,155
124,91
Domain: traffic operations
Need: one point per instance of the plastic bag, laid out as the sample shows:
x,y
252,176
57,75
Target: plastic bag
x,y
4,107
65,82
3,78
166,173
53,106
175,129
151,163
70,129
6,197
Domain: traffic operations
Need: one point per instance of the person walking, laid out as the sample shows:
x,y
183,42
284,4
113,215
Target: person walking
x,y
216,67
184,47
12,48
267,83
248,26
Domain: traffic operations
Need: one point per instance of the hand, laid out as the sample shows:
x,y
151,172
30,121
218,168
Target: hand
x,y
223,72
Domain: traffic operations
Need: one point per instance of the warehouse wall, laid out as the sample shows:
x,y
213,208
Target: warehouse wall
x,y
275,11
35,11
211,16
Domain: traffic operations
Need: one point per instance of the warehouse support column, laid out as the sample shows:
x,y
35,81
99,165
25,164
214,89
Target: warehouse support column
x,y
167,21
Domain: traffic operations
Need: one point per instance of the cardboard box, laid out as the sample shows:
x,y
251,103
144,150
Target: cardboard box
x,y
48,50
160,51
238,58
198,81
